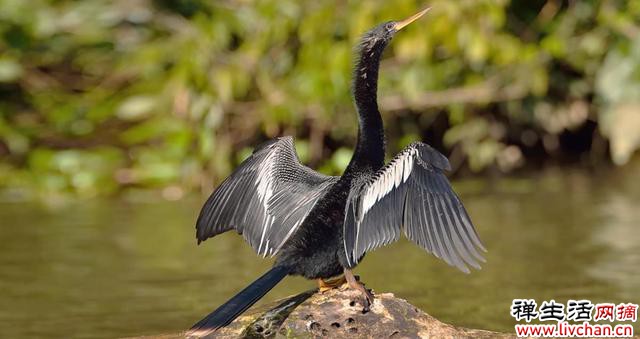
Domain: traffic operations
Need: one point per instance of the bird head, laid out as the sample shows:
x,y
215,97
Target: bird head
x,y
380,35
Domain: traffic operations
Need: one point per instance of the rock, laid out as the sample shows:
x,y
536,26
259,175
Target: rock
x,y
339,314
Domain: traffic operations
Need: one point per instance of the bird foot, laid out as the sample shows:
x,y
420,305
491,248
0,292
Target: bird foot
x,y
347,285
354,282
326,285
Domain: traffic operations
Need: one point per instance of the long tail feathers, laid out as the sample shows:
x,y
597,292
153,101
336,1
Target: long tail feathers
x,y
230,310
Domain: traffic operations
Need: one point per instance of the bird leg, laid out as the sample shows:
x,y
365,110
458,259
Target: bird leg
x,y
325,285
355,284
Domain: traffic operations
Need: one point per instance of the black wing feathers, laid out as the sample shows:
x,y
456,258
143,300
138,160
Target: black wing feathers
x,y
265,199
412,194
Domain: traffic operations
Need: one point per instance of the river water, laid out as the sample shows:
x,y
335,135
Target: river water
x,y
130,266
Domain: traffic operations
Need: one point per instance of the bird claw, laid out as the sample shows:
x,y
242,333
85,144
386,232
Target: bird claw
x,y
354,282
367,298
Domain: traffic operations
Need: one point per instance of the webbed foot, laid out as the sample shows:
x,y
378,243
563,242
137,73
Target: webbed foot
x,y
325,285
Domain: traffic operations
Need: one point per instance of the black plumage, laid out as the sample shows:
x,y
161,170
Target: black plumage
x,y
265,199
321,226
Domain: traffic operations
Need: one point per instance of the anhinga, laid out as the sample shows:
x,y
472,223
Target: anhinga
x,y
321,226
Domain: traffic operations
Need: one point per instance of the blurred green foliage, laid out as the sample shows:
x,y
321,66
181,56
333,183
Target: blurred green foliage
x,y
99,95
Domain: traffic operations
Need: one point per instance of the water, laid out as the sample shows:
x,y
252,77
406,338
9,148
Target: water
x,y
130,266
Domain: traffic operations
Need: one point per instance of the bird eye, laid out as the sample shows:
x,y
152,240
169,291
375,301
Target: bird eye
x,y
390,26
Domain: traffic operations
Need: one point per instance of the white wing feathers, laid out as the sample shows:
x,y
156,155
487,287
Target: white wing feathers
x,y
411,193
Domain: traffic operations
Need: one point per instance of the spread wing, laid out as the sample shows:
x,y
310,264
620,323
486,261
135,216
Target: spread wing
x,y
411,193
265,199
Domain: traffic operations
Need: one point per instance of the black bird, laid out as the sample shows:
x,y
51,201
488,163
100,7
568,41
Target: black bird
x,y
321,226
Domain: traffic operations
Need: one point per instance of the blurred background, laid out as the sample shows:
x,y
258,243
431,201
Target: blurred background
x,y
117,118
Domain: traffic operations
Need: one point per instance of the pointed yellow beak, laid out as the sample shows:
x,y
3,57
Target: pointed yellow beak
x,y
405,22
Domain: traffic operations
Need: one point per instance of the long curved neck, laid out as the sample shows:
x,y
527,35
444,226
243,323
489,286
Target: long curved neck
x,y
369,152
